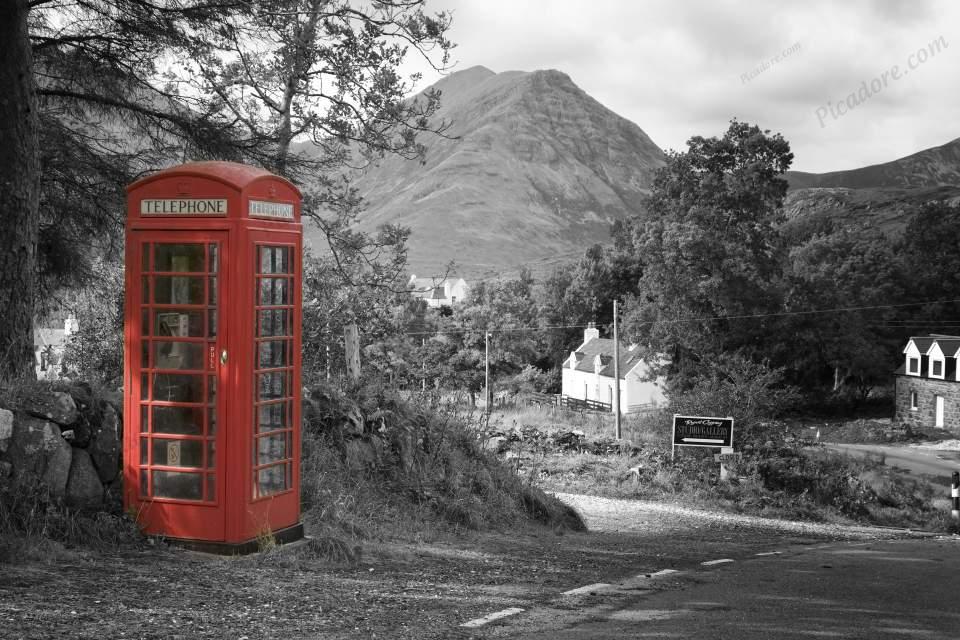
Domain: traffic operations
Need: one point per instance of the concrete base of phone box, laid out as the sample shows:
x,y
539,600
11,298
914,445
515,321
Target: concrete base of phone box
x,y
281,536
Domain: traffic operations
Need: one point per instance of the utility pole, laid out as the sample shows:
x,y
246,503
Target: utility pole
x,y
486,357
616,372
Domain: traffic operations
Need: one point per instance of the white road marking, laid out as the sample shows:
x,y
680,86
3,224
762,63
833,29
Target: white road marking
x,y
662,572
770,553
479,622
709,563
586,589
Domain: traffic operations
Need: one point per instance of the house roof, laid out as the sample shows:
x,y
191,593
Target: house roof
x,y
922,343
43,337
604,347
949,346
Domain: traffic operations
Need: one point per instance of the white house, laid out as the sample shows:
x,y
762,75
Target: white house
x,y
48,348
588,374
439,293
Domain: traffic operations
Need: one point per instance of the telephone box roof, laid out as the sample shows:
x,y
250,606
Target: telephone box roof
x,y
232,174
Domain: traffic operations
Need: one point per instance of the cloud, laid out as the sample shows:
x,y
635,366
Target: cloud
x,y
675,68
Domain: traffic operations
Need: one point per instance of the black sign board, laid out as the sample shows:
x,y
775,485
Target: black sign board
x,y
700,431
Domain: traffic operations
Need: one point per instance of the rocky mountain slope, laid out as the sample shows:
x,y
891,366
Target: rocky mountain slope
x,y
533,170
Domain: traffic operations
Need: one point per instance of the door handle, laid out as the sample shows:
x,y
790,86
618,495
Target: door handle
x,y
223,357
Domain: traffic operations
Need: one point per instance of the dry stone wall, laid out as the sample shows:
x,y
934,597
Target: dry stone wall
x,y
67,443
924,416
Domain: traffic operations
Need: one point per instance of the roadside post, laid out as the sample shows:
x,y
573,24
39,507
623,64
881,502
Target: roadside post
x,y
955,496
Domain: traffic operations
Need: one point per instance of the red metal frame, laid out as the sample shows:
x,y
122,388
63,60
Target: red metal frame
x,y
237,514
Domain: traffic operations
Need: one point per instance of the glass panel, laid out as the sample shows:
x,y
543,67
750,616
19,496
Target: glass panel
x,y
212,323
178,355
144,386
144,323
170,387
143,419
144,257
179,323
144,451
272,385
213,250
178,257
145,289
271,448
211,488
178,420
212,421
273,354
145,354
212,292
274,322
272,416
144,485
177,484
177,453
211,389
274,291
274,260
271,480
211,454
178,290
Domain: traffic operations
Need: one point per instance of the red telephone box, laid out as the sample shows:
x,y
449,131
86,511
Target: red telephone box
x,y
212,355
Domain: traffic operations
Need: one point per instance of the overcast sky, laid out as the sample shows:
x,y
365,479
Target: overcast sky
x,y
679,68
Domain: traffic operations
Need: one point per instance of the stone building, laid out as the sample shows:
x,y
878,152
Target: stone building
x,y
928,383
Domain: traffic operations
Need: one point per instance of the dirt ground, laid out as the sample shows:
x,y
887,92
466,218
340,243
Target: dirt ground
x,y
424,590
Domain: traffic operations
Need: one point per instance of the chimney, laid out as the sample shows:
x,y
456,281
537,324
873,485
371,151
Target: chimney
x,y
590,332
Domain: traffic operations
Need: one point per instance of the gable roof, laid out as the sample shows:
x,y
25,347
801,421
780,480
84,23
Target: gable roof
x,y
922,343
603,347
949,346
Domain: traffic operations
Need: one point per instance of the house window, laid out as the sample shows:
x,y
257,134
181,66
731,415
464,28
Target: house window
x,y
913,400
914,366
936,368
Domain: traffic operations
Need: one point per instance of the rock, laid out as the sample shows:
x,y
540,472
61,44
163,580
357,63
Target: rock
x,y
59,462
104,447
6,429
33,443
114,399
56,406
84,490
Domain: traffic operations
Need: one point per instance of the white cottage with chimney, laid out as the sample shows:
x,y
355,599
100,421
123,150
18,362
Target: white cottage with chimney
x,y
588,375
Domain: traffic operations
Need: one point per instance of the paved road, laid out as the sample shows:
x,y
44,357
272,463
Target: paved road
x,y
876,590
916,460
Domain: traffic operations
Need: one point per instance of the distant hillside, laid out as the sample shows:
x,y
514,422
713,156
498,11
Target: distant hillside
x,y
537,171
934,167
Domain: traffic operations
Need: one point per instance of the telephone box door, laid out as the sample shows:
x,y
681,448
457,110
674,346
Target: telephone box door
x,y
177,381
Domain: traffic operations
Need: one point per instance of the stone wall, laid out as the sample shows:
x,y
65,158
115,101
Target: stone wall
x,y
927,389
65,442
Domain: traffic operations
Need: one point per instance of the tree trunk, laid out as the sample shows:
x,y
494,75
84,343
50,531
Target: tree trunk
x,y
19,191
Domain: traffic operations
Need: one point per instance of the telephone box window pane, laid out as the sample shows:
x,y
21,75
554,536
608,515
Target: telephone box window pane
x,y
182,258
271,448
274,260
274,322
212,292
177,453
273,354
178,290
211,454
272,417
274,291
170,387
271,480
145,354
144,323
144,257
178,420
211,488
177,484
178,323
177,355
143,419
144,386
211,389
212,323
144,484
272,385
212,265
144,451
145,289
